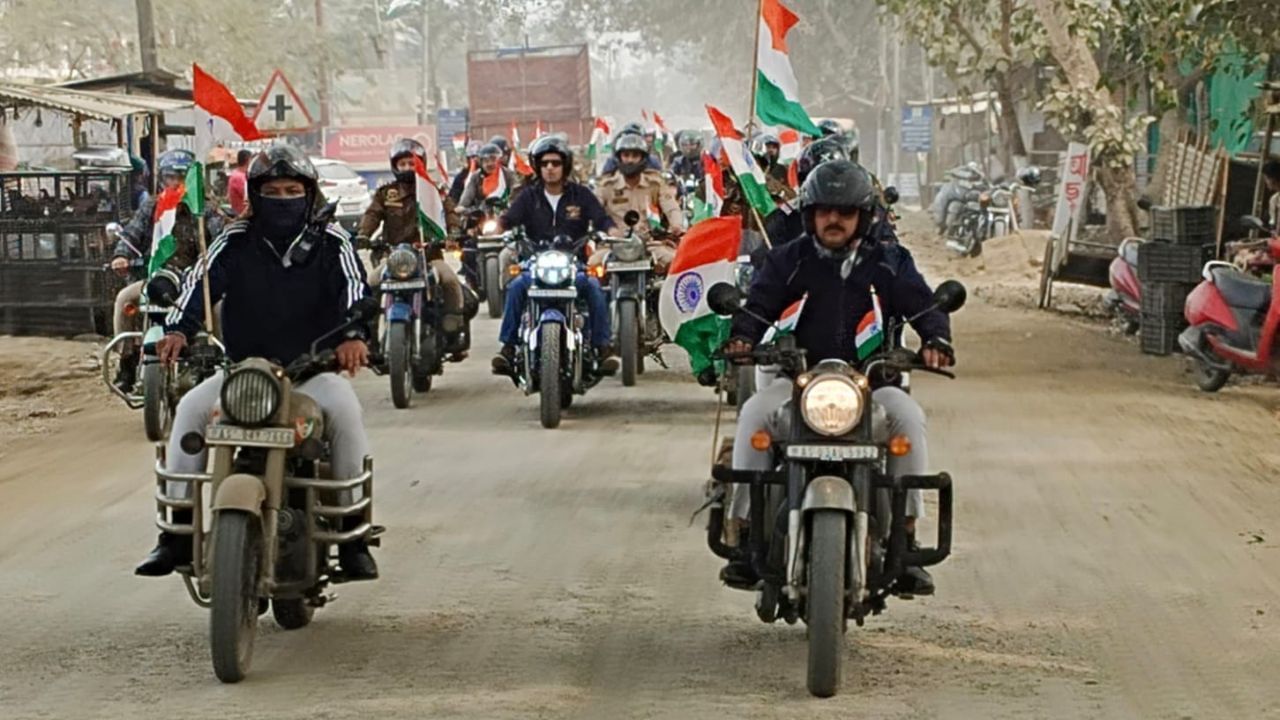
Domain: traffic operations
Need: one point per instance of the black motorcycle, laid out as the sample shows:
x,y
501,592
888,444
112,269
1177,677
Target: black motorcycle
x,y
633,289
480,255
827,534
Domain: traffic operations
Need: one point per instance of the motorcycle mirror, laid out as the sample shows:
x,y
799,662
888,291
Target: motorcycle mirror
x,y
114,228
1253,222
1144,203
891,195
631,218
724,298
950,296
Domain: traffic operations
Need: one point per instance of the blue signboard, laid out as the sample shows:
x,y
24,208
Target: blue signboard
x,y
450,122
917,129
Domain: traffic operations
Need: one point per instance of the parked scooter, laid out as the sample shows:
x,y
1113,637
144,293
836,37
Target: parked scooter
x,y
1234,320
1124,299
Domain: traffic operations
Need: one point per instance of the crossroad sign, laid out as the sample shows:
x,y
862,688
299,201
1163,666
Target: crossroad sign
x,y
280,109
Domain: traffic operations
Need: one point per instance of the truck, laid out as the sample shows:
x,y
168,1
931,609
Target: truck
x,y
530,85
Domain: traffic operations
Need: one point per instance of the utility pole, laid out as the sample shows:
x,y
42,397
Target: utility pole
x,y
324,67
424,115
895,145
147,36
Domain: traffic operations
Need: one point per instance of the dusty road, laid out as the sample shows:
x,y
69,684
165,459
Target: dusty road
x,y
1116,557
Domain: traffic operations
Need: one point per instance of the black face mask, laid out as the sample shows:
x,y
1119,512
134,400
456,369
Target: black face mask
x,y
404,176
631,169
281,218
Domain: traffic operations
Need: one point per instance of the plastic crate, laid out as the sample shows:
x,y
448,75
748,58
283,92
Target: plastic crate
x,y
1159,298
1185,225
1158,334
1160,262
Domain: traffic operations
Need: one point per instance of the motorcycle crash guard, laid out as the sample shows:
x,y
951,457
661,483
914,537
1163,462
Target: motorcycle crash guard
x,y
399,312
828,493
240,492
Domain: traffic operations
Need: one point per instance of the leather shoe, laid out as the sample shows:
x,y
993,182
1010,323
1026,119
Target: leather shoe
x,y
356,561
170,552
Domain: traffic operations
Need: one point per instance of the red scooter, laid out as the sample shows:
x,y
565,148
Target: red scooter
x,y
1234,319
1125,298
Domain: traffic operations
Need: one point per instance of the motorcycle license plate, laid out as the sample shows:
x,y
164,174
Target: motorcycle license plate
x,y
389,286
624,266
490,245
553,293
833,453
250,437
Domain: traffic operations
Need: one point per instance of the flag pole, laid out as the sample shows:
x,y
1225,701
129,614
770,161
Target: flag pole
x,y
755,71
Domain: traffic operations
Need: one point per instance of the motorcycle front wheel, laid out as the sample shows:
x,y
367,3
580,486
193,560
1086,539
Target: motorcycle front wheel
x,y
233,616
628,341
550,380
398,359
1208,378
824,612
155,401
492,287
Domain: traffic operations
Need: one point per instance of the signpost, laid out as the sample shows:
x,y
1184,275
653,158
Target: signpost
x,y
280,109
370,147
917,129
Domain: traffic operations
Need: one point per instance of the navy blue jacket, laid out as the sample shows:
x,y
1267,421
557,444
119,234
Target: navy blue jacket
x,y
272,308
577,212
829,322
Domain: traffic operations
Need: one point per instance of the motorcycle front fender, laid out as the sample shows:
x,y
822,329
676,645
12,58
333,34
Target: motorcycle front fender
x,y
240,492
399,311
828,493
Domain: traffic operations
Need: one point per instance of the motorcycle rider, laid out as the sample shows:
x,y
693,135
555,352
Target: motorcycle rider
x,y
459,182
841,271
785,224
550,206
135,242
490,159
287,276
395,208
633,186
767,149
688,161
633,128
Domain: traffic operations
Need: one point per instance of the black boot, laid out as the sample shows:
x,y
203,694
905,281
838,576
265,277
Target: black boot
x,y
356,561
741,573
607,362
914,580
170,552
127,375
504,362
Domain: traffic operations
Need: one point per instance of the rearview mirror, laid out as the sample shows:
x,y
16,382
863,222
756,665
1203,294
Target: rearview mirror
x,y
724,299
631,218
1253,222
891,196
950,296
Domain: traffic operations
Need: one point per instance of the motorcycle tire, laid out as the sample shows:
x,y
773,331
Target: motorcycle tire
x,y
825,608
293,613
1208,378
398,360
493,288
550,380
155,402
233,610
421,374
628,341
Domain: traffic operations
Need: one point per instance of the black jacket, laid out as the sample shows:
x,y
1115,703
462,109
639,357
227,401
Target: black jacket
x,y
459,184
271,309
577,212
829,322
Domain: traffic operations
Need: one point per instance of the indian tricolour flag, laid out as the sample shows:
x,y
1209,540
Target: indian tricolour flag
x,y
786,323
600,148
219,118
495,185
517,164
713,190
189,193
659,137
654,216
750,177
777,92
706,256
870,334
430,205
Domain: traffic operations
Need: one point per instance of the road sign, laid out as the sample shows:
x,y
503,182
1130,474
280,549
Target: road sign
x,y
917,129
450,122
369,147
280,109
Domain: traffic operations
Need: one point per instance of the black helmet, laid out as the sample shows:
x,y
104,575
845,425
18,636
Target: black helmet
x,y
839,184
631,143
501,142
830,127
631,128
689,137
819,151
175,162
405,147
1029,176
551,145
281,162
490,150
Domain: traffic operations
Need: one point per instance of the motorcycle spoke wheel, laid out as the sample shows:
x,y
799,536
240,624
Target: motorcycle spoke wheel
x,y
233,616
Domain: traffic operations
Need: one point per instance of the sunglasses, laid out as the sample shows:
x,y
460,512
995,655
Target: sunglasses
x,y
552,163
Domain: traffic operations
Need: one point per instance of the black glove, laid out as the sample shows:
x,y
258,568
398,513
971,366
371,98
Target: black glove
x,y
943,346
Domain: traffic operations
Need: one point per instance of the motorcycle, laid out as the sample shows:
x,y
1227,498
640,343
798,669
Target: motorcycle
x,y
554,353
275,511
158,388
1124,299
1233,320
413,311
633,292
828,526
481,256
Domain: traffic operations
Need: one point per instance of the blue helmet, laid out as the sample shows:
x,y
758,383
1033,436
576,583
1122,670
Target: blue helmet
x,y
176,162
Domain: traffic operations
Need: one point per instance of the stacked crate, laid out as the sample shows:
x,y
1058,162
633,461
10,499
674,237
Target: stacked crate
x,y
1169,266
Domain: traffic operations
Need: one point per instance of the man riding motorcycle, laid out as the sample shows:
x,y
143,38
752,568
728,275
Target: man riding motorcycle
x,y
611,163
786,224
844,274
635,187
687,163
548,207
459,182
286,276
490,162
395,208
767,149
135,242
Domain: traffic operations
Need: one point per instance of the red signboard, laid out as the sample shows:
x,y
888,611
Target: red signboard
x,y
372,145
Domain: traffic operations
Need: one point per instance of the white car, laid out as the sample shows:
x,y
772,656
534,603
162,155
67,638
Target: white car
x,y
339,182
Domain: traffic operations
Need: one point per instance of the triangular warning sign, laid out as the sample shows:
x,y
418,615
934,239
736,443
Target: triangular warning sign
x,y
280,109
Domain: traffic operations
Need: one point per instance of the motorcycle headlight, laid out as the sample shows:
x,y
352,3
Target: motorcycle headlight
x,y
553,268
831,405
628,251
163,288
984,199
402,263
250,396
490,227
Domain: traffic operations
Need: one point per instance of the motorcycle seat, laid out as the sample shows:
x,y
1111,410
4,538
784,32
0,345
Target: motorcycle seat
x,y
1240,290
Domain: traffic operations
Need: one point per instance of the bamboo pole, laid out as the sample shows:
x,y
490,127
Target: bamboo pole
x,y
755,72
